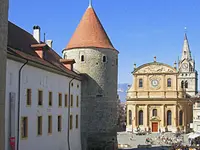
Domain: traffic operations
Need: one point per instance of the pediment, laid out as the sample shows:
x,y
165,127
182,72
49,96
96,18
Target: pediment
x,y
155,68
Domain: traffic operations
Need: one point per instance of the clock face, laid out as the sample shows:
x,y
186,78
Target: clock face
x,y
154,83
184,65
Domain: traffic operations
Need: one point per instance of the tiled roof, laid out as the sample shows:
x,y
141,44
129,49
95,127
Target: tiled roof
x,y
19,44
90,33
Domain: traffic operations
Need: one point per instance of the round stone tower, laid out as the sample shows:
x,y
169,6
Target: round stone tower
x,y
97,60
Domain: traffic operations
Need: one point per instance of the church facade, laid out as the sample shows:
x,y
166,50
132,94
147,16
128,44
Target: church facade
x,y
158,100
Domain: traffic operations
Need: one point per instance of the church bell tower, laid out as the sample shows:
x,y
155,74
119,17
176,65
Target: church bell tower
x,y
187,73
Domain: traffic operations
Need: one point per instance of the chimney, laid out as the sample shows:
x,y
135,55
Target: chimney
x,y
40,49
36,33
49,43
68,63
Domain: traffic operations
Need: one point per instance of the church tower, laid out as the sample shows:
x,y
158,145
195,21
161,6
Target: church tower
x,y
97,60
188,74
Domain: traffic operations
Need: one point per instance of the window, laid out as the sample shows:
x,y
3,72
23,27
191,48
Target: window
x,y
28,98
24,127
116,61
59,123
154,112
39,125
130,117
59,99
40,98
180,118
77,101
66,100
71,101
186,84
104,58
49,124
140,83
82,57
76,121
50,99
140,117
77,85
71,122
65,56
169,117
182,84
169,82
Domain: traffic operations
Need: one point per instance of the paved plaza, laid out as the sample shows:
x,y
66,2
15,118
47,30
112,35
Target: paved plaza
x,y
133,140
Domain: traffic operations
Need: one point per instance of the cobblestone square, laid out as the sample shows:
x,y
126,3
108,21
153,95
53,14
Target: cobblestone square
x,y
133,140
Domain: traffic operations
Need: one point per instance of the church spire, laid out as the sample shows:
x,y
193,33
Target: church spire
x,y
90,4
186,54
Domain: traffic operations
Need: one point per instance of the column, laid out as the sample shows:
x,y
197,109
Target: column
x,y
164,85
163,116
175,117
134,116
146,117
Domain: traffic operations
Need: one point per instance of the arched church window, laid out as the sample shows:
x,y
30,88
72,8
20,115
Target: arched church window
x,y
140,83
169,82
140,117
186,84
169,117
154,112
104,58
82,58
180,118
130,117
182,84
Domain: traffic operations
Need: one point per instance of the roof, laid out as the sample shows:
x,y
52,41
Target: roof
x,y
90,33
19,45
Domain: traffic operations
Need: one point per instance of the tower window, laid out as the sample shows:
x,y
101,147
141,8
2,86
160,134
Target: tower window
x,y
182,84
140,83
186,84
65,56
104,58
82,58
184,52
169,82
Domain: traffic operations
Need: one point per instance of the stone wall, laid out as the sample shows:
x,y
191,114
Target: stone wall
x,y
99,94
3,48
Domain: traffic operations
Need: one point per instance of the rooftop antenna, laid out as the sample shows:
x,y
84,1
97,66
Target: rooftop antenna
x,y
90,3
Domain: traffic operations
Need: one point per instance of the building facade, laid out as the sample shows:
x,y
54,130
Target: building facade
x,y
97,60
3,46
43,95
158,99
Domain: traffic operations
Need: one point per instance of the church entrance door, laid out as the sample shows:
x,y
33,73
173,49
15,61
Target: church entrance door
x,y
154,126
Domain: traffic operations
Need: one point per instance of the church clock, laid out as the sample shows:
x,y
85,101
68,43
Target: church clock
x,y
154,82
184,65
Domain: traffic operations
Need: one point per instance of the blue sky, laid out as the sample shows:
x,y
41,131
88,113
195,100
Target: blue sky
x,y
139,29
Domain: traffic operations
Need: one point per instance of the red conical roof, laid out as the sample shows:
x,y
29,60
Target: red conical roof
x,y
90,33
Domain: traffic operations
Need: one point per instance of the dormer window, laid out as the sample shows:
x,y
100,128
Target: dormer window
x,y
104,58
82,58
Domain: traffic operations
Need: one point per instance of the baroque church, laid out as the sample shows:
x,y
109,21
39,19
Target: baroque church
x,y
158,100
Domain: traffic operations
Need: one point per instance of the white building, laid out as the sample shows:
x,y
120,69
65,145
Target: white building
x,y
43,95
